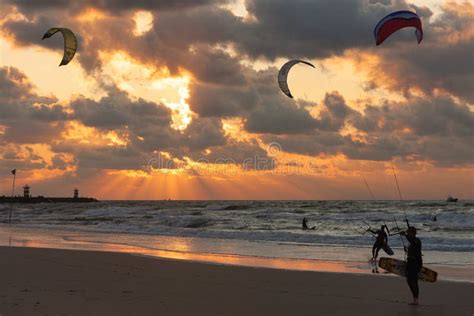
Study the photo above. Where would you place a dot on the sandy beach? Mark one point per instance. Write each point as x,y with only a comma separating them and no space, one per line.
39,281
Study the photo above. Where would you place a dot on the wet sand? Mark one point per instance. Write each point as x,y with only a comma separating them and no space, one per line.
37,281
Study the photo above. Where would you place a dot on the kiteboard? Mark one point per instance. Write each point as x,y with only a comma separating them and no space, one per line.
399,267
388,250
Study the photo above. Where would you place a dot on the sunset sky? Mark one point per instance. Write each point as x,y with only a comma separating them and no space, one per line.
179,99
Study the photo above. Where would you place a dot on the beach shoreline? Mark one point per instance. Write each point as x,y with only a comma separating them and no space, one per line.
38,281
219,251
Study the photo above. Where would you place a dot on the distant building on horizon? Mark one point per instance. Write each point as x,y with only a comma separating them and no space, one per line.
26,191
28,198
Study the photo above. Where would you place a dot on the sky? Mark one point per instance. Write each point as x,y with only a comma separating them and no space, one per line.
179,99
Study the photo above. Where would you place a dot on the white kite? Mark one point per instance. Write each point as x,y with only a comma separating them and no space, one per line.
283,75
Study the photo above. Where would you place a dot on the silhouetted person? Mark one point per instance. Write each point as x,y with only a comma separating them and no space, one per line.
381,239
414,262
434,218
305,224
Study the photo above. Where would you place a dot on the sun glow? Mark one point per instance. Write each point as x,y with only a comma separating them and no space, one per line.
234,128
143,22
182,114
90,15
80,134
150,83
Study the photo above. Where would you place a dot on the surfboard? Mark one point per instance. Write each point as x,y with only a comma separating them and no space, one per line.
399,267
388,250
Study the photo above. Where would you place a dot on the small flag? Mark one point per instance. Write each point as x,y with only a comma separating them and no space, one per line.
13,171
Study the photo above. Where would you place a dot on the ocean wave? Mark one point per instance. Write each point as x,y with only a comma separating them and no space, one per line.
337,222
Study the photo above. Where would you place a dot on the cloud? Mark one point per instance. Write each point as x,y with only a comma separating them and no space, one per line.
112,6
278,116
126,158
209,41
334,112
260,102
210,44
27,117
438,130
248,155
442,62
203,133
440,116
313,29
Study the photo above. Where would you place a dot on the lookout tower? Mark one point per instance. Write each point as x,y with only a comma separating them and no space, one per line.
26,191
76,193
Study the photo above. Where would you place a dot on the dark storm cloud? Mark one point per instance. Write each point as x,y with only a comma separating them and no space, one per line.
19,157
426,117
30,32
438,130
215,66
317,143
211,100
112,6
264,108
279,117
23,164
276,114
429,68
313,29
59,162
24,131
248,155
147,123
334,113
282,29
27,117
203,133
112,158
188,37
49,113
200,38
116,109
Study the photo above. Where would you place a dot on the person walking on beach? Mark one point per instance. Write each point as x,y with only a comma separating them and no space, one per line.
414,261
381,239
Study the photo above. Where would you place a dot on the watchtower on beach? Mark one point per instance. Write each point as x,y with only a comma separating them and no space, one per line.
76,193
26,191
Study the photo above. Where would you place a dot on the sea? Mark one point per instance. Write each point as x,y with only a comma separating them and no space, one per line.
248,229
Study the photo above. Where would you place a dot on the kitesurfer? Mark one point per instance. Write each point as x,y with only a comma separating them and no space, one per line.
414,261
305,224
381,239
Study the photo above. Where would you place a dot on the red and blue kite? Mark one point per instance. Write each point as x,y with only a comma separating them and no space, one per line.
396,21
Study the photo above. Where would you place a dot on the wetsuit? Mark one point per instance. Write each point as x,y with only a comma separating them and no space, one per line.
305,225
414,264
380,240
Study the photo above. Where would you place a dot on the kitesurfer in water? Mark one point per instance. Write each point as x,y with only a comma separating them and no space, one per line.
414,261
305,224
381,239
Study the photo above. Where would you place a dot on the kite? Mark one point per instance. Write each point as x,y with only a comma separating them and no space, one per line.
283,75
396,21
70,43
